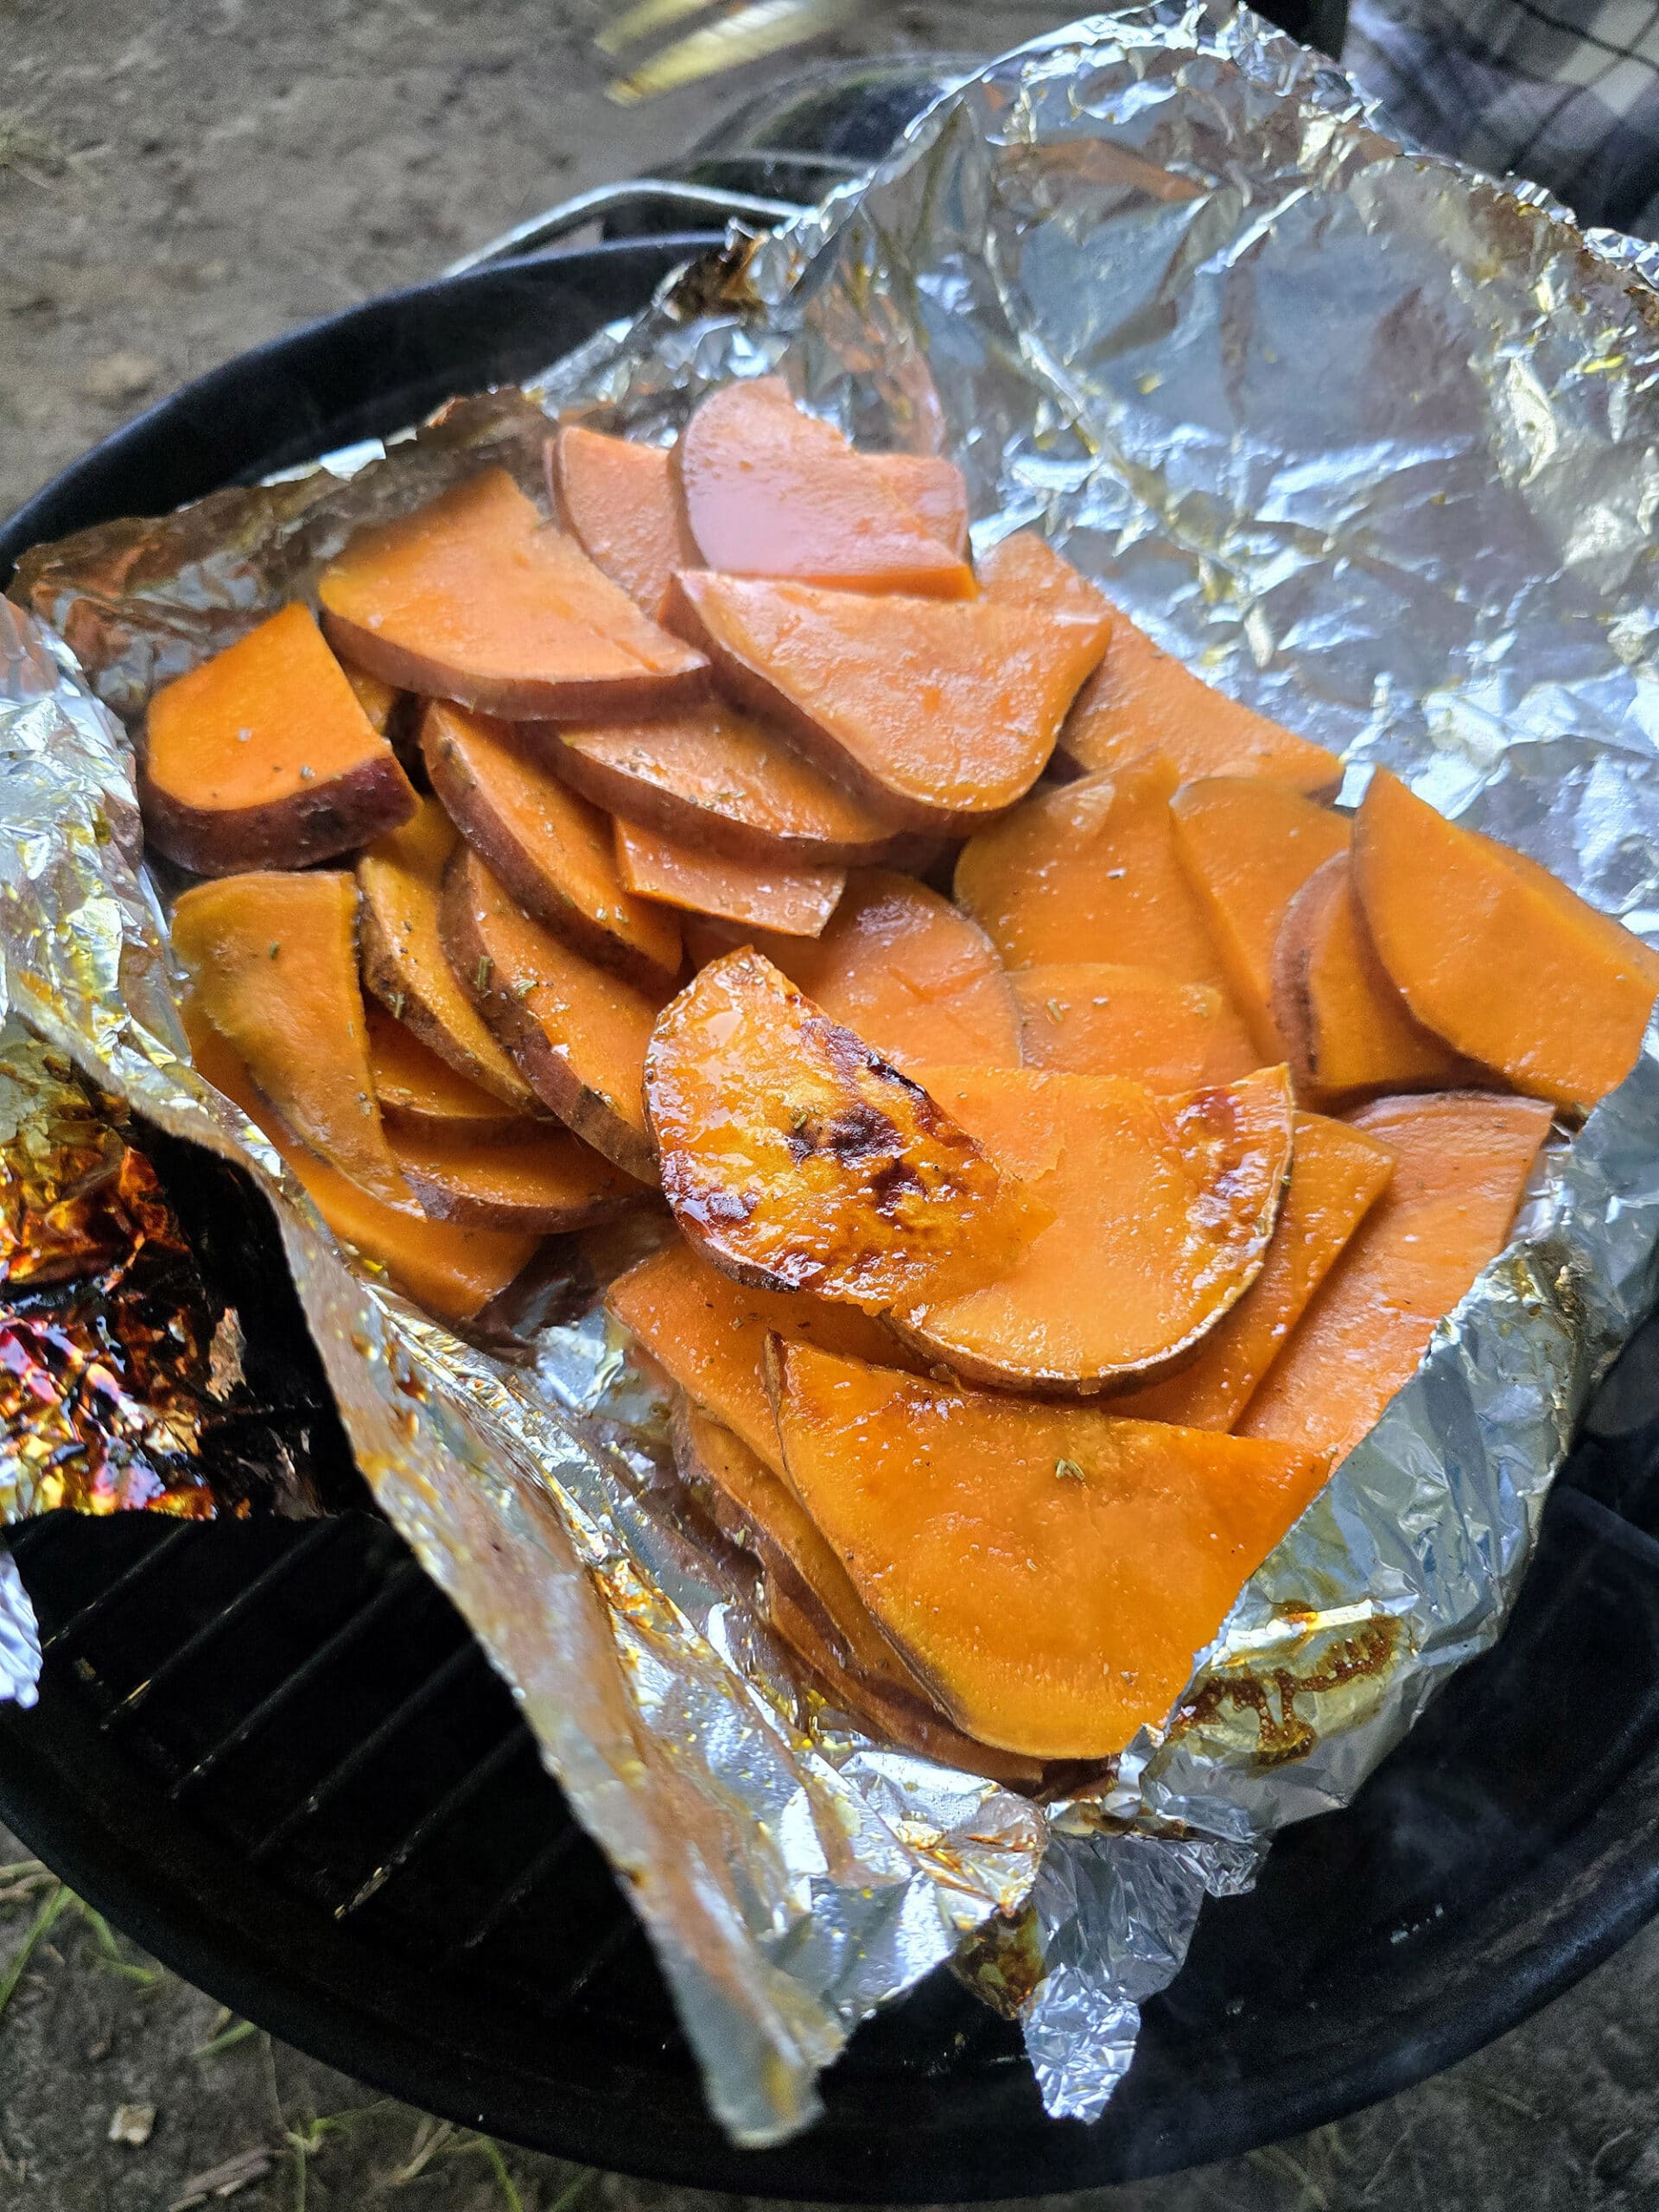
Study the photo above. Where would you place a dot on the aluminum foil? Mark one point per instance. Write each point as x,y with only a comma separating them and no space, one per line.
1373,443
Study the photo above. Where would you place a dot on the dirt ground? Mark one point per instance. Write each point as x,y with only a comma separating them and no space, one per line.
178,182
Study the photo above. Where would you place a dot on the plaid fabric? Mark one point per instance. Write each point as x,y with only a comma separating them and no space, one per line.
1564,92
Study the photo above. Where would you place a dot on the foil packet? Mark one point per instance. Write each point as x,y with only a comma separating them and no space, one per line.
1372,441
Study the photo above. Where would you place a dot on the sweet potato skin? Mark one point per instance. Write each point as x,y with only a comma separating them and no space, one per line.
546,1181
1096,1018
793,900
619,502
419,1091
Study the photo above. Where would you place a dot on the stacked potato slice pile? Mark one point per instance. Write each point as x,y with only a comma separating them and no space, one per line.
1072,1127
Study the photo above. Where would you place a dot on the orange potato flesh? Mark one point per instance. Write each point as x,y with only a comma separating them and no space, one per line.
577,1034
933,487
1024,570
264,757
1089,872
771,491
453,1272
795,1159
716,779
1495,956
708,1334
272,962
543,1180
404,959
417,1090
378,701
549,848
475,598
1346,1027
1461,1162
1142,700
1093,1018
620,503
1336,1176
1162,1209
937,713
1248,846
795,900
1050,1572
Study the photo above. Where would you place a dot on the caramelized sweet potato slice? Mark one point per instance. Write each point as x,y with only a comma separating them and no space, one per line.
1495,956
549,848
1092,1018
708,1334
1049,1572
1344,1025
1335,1177
1248,845
791,898
1461,1162
717,779
545,1180
1162,1209
937,714
475,598
795,1159
577,1034
1141,700
771,491
620,503
418,1091
404,959
1089,872
1024,570
272,962
263,757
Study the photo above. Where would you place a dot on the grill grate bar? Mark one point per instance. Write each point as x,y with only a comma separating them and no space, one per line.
459,1794
615,1940
535,1871
113,1593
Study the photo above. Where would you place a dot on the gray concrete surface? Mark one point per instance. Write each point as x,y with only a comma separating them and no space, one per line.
178,181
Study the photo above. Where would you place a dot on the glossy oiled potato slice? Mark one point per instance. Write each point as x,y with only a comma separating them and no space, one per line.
789,897
1095,1018
620,503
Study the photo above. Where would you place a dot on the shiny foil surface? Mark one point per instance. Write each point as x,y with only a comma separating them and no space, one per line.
1373,443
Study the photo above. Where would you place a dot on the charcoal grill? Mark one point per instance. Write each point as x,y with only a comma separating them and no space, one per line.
271,1751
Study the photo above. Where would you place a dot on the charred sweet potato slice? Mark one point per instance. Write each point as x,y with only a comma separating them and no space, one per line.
272,963
1089,872
475,598
543,1180
548,848
717,779
1049,1572
1495,956
418,1091
1142,700
263,757
795,1159
790,898
937,714
404,959
1162,1211
771,491
1335,1177
1092,1018
577,1034
1024,570
1461,1162
619,502
1344,1025
1248,845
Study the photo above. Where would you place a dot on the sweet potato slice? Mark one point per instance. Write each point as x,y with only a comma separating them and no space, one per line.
1162,1209
548,848
1495,956
1142,700
1049,1572
937,714
1248,845
272,962
263,757
453,1272
1335,1177
404,959
933,487
544,1180
1092,1018
1345,1026
577,1034
1461,1162
1089,872
771,491
794,899
378,701
717,779
475,598
418,1091
619,502
1024,570
795,1159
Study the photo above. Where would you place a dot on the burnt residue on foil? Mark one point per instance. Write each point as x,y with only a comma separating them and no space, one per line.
1371,442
